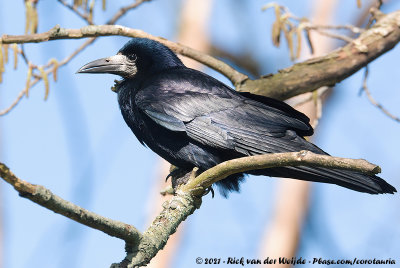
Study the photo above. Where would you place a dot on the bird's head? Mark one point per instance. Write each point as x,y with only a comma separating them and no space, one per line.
139,57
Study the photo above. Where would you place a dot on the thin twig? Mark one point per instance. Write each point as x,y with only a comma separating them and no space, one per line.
332,67
65,61
28,63
20,95
24,57
351,28
298,79
114,19
373,101
75,9
122,11
333,35
77,51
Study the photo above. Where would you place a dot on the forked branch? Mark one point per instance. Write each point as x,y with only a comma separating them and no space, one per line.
141,248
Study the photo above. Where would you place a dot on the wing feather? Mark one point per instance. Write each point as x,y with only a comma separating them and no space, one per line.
214,115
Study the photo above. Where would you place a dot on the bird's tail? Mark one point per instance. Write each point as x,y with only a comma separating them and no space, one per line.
349,179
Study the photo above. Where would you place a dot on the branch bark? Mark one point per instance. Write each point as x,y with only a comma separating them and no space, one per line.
333,67
141,248
300,78
57,33
44,197
302,158
188,196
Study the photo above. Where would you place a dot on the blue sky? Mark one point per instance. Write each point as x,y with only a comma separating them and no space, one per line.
77,144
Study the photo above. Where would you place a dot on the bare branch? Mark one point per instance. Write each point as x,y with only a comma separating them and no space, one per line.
351,28
108,30
334,35
300,78
373,101
293,26
333,67
75,9
20,95
303,158
116,17
42,196
188,196
77,51
122,11
141,248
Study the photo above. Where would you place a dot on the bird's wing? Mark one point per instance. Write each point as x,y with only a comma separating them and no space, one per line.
214,115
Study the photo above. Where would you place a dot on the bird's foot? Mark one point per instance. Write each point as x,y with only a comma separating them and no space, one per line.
208,190
181,176
175,172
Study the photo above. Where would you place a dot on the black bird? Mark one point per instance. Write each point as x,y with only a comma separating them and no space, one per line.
193,120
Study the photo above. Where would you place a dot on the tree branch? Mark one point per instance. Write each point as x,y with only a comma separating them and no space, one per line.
108,30
121,12
302,158
333,67
141,248
188,196
300,78
373,101
44,197
75,9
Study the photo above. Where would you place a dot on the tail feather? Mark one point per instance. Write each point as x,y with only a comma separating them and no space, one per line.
349,179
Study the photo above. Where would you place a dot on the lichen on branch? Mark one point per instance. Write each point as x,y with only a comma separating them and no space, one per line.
142,247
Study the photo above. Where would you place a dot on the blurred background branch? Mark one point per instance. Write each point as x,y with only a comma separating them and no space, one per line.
141,248
53,64
300,78
284,232
373,101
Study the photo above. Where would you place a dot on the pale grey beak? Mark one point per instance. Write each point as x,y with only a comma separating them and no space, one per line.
118,64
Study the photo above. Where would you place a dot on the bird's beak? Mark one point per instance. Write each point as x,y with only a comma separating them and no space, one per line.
118,64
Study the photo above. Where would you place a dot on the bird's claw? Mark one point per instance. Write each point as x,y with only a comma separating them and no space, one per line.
208,190
175,172
181,176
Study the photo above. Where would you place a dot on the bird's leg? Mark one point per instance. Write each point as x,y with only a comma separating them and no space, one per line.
175,172
180,175
186,175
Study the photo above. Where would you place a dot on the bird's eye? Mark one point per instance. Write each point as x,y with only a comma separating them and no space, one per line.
132,57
